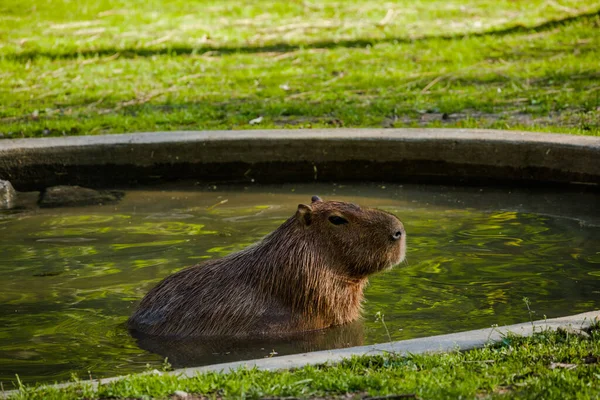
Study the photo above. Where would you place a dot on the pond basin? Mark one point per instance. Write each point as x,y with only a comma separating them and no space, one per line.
72,276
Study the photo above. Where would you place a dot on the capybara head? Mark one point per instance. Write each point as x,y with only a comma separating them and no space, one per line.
358,241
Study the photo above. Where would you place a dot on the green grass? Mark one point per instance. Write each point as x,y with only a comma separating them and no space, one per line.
88,67
549,365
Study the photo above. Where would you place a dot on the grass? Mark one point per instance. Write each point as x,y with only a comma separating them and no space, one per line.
109,66
548,365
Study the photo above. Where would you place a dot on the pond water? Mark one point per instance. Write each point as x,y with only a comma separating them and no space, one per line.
71,277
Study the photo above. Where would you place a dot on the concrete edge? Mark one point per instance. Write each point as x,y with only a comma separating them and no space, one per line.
290,134
460,341
274,134
274,156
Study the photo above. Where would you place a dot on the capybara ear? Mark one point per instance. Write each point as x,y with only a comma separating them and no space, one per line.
304,214
316,199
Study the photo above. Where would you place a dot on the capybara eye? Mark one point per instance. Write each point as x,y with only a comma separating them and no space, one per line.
336,220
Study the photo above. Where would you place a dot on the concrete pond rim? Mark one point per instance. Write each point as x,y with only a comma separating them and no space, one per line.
322,155
463,156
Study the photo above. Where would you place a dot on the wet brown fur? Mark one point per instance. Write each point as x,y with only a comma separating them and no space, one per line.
308,274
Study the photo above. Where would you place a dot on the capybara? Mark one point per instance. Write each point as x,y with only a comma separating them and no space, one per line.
308,274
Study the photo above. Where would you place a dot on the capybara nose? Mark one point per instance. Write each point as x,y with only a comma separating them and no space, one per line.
397,235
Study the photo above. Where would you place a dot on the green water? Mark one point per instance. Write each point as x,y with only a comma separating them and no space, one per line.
70,277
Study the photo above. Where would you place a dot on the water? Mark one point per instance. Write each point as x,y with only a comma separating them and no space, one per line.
71,277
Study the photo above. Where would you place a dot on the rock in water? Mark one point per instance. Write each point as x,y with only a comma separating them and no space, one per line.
69,196
8,195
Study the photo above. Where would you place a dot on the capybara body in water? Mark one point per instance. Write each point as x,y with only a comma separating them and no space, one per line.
308,274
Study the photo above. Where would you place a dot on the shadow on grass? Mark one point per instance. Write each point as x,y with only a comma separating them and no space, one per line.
387,112
550,81
132,52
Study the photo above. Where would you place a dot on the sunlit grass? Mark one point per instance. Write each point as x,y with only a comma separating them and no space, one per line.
88,67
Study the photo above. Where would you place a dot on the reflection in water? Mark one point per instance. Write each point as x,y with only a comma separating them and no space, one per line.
201,351
71,277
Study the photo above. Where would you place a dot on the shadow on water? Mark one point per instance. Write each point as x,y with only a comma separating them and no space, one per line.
132,52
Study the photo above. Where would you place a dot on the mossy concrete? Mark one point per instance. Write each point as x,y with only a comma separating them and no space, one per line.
273,156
